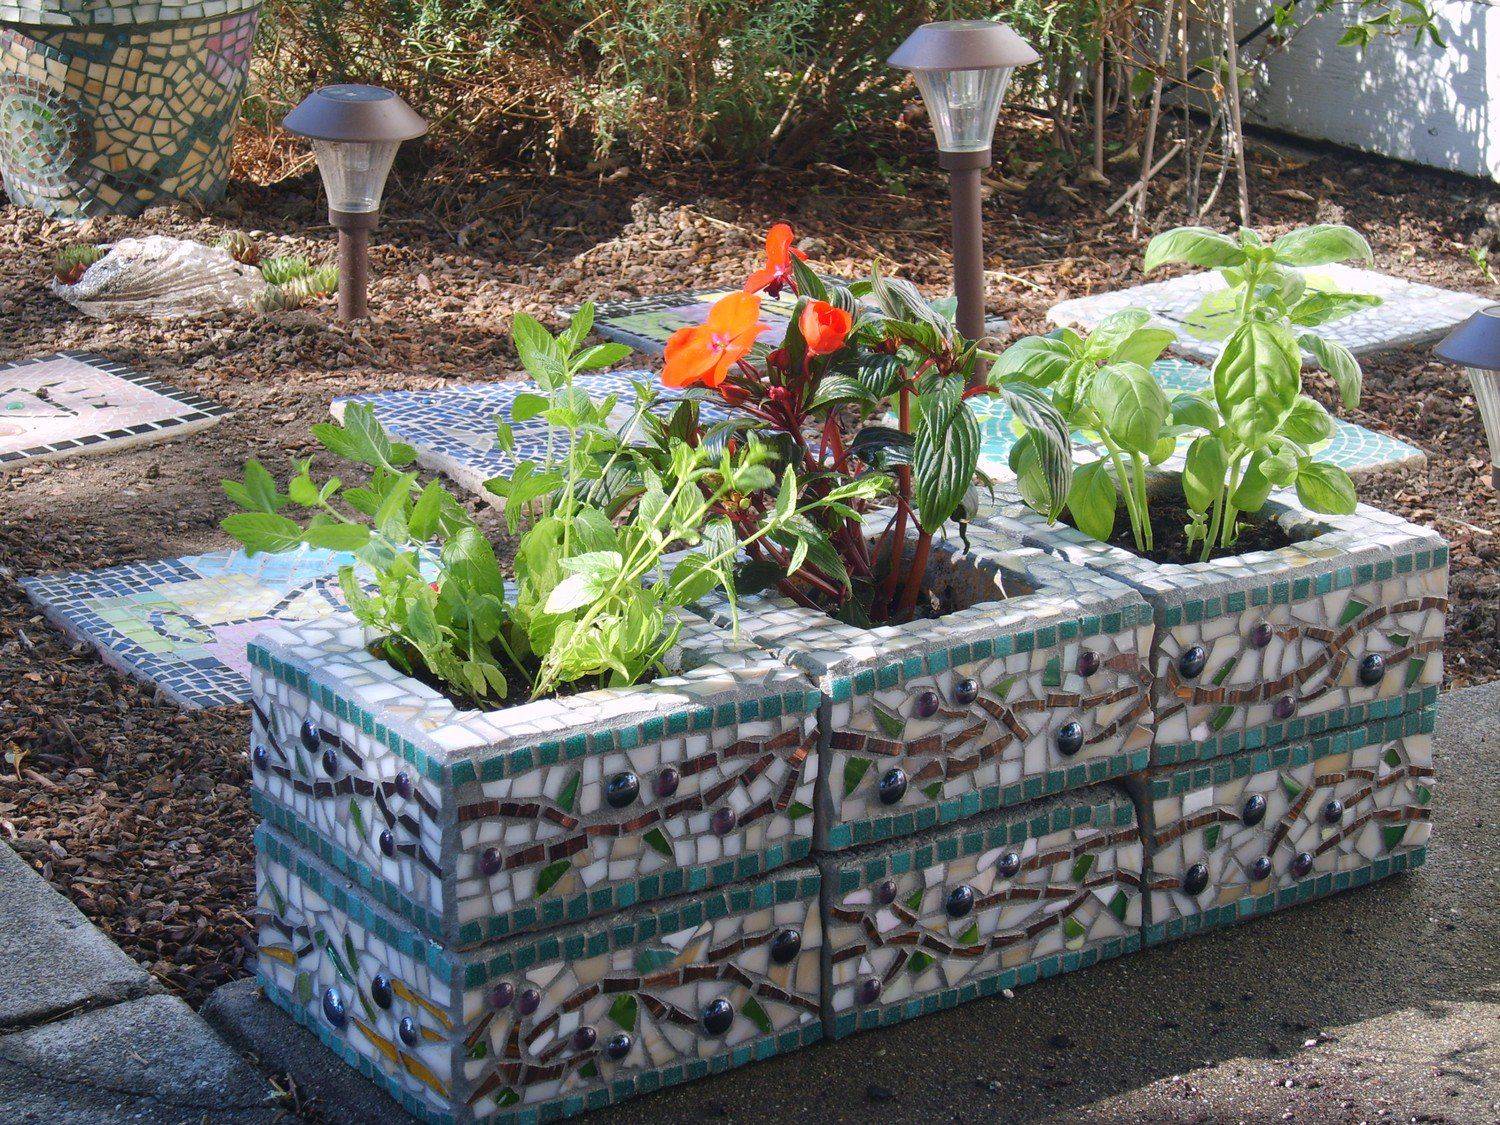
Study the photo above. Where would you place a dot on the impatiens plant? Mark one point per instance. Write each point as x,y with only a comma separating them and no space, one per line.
868,385
1255,428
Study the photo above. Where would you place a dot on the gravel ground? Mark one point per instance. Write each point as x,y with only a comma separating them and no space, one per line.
140,812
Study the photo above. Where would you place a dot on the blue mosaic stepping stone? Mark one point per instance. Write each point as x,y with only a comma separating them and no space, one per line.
183,624
1353,448
73,402
1410,313
453,429
647,323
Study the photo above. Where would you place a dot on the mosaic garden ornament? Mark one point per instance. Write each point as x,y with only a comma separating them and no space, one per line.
1342,625
538,1028
477,824
1239,836
1035,681
112,106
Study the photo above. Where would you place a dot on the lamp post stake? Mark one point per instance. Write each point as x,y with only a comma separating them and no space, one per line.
354,229
964,170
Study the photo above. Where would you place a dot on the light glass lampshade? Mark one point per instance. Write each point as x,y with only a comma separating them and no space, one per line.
354,172
1486,384
963,105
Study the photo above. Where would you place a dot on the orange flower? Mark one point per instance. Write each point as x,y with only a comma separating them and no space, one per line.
824,327
777,274
706,353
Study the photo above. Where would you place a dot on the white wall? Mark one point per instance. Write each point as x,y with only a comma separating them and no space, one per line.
1425,104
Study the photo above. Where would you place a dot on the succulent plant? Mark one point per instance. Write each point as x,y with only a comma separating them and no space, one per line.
241,247
300,290
279,271
71,261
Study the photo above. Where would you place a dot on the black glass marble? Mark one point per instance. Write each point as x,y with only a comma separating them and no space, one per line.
310,735
927,705
1191,662
1302,864
1195,879
1088,662
333,1008
960,901
785,946
1254,810
618,1046
967,691
1372,669
1069,739
718,1017
381,991
892,786
407,1029
667,781
622,790
1009,864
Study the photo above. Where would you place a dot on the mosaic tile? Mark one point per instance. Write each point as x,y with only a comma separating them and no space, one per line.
111,108
183,624
995,903
1353,448
478,824
997,703
1342,626
72,403
453,430
1411,313
1268,829
538,1028
647,323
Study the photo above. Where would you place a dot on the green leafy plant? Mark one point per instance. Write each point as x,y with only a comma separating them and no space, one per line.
1102,386
70,263
289,267
1261,431
590,602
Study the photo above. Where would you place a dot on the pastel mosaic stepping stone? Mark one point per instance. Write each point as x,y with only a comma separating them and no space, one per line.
453,429
1235,838
1358,451
537,1028
997,902
183,624
73,402
647,323
1342,626
999,702
1411,313
475,825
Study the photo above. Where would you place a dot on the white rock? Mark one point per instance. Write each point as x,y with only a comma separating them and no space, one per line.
164,277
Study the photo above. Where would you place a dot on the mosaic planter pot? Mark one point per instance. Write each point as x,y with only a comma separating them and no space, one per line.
920,925
999,702
1239,836
1340,628
544,1026
108,106
476,825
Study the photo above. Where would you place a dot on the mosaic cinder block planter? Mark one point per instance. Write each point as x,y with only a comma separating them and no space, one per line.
1240,836
918,925
1340,628
475,825
999,702
109,106
541,1026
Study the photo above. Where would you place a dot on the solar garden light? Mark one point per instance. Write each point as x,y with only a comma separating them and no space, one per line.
962,68
1475,346
355,132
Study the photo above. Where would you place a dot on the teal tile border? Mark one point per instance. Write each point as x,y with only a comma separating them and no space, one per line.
1273,734
643,1083
1315,887
868,1018
527,917
1218,770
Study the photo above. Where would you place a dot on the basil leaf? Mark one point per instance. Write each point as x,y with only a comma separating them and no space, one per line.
1197,246
1257,378
1320,244
1131,405
1325,488
1092,500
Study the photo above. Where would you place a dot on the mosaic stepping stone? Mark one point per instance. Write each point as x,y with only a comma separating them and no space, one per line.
994,903
647,323
453,430
73,402
538,1028
1257,832
183,624
1411,313
1342,626
1358,451
1041,688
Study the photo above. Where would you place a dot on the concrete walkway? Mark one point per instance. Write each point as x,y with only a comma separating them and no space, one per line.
1378,1003
87,1036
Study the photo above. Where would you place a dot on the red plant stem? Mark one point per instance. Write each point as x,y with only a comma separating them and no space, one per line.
914,578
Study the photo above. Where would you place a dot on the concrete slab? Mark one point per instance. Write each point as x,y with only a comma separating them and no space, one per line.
52,959
262,1033
148,1060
